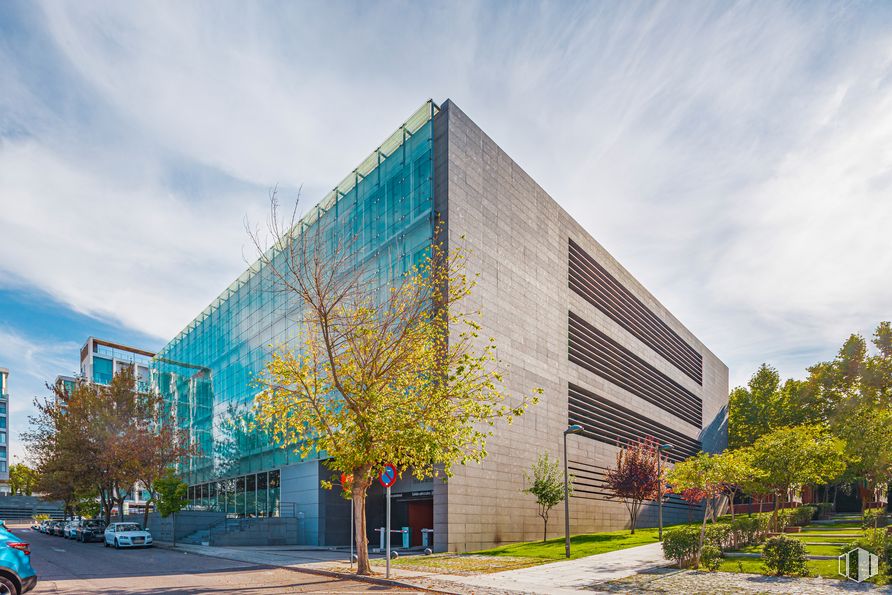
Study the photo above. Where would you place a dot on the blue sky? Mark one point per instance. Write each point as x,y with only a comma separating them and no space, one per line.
736,158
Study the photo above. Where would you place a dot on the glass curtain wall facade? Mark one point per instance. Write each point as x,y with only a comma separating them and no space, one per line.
384,209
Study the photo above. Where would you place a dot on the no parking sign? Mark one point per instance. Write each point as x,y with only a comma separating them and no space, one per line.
388,476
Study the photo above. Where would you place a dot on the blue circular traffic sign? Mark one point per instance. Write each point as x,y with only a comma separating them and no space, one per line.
388,476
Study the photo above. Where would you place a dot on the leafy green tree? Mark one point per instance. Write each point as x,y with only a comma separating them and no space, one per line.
171,495
87,504
386,374
766,404
737,473
704,475
853,392
792,457
546,483
22,479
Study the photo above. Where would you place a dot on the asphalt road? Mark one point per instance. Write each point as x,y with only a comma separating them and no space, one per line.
69,567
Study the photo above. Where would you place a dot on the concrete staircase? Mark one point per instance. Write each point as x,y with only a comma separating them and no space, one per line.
200,537
20,508
246,531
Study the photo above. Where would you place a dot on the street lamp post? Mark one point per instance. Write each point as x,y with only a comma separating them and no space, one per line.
574,429
660,450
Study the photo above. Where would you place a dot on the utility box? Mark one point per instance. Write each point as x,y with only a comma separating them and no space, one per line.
427,537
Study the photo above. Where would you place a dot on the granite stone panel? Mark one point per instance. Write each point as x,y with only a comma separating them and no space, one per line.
518,238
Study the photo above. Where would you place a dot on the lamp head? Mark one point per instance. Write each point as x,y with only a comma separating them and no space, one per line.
574,429
665,447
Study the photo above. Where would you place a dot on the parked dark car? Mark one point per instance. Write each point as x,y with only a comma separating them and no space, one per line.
57,528
90,530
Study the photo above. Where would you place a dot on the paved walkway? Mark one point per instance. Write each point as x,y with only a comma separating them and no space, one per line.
559,578
569,576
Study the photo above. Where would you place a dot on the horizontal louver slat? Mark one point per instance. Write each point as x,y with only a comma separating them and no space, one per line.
608,422
596,352
598,287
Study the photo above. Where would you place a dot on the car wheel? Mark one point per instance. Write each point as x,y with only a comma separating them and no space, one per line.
117,546
7,587
105,542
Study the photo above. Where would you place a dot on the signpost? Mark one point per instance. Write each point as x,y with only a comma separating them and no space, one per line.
387,479
346,484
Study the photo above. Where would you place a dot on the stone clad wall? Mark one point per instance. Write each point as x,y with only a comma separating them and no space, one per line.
518,237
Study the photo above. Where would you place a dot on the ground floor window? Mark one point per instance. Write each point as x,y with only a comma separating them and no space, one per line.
253,495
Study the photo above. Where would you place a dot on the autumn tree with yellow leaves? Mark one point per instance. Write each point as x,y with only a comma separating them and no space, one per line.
391,368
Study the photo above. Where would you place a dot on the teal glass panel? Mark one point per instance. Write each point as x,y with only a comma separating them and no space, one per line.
262,505
102,370
206,373
251,495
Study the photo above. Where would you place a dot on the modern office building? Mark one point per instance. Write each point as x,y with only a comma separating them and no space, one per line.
566,316
4,432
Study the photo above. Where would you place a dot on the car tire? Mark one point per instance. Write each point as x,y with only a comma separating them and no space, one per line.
105,543
7,586
117,545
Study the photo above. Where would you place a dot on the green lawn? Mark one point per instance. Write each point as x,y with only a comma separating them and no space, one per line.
580,545
825,568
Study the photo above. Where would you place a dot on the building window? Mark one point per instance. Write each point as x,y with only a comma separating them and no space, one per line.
2,466
102,370
2,452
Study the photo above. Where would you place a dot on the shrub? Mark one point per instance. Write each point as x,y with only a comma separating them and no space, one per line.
681,544
825,509
878,542
874,517
710,557
718,536
748,530
803,515
783,556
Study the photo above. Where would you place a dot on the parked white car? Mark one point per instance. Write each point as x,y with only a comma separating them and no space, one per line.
127,535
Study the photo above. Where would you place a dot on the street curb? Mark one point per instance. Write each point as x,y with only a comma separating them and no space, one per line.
317,571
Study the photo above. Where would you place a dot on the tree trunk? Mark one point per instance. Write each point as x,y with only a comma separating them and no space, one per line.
145,515
731,505
706,507
359,490
545,531
174,532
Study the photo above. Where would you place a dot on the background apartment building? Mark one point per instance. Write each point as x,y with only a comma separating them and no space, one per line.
4,432
566,316
100,360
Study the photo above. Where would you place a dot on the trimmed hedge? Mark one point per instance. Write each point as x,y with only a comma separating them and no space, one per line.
873,516
784,556
749,530
681,544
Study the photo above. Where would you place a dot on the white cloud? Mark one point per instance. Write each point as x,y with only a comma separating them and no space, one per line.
119,249
735,157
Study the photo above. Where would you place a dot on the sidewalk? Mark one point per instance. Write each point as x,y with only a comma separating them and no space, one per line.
559,578
569,576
